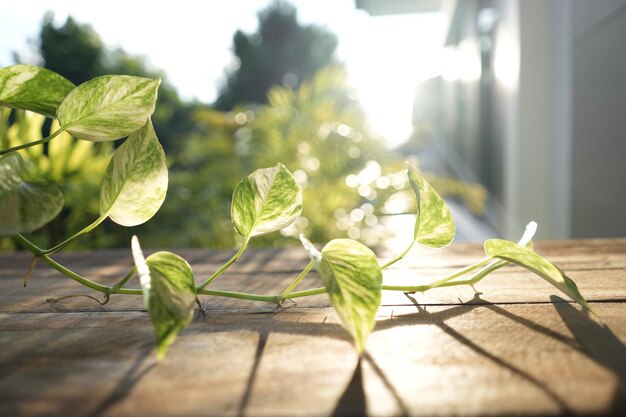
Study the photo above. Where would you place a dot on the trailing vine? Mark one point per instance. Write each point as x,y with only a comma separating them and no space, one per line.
134,186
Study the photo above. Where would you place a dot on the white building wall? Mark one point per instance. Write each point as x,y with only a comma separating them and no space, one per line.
599,118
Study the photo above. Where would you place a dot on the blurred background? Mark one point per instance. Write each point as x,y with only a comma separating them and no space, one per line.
513,109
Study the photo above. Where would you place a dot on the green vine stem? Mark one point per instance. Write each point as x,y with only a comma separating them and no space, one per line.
62,269
123,281
440,282
34,143
33,261
223,268
276,298
69,240
399,257
38,253
298,279
266,201
266,298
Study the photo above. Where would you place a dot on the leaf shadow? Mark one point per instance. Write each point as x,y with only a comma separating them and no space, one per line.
440,321
258,355
600,344
133,375
353,400
402,407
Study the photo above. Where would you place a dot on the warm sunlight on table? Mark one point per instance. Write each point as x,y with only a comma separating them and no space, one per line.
517,348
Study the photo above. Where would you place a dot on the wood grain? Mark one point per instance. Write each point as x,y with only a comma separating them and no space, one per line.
519,348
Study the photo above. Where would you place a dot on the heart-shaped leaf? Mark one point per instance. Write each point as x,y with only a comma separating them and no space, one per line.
434,226
33,88
135,182
530,260
25,205
353,280
169,291
108,107
266,201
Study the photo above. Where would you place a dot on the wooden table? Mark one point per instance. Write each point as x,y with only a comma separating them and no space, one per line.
519,348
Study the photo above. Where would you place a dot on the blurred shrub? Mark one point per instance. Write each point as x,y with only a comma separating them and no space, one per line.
76,166
317,130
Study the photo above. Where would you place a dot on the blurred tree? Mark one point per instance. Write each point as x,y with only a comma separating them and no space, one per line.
72,50
317,131
308,120
281,52
76,51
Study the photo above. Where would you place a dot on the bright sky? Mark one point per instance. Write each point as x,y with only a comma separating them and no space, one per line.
386,56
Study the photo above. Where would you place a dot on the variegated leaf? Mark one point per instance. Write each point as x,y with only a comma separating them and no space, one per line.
25,205
353,280
266,201
135,182
108,107
527,258
169,291
33,88
434,226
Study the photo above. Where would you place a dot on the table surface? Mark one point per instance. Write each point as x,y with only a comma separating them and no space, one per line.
520,347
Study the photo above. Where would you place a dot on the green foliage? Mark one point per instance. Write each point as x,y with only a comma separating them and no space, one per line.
135,181
321,134
101,109
32,88
25,205
169,293
530,260
281,52
196,204
317,131
221,148
353,280
76,166
433,226
76,52
267,200
108,107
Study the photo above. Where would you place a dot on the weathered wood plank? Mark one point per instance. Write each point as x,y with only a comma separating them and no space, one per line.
508,285
469,359
518,349
572,254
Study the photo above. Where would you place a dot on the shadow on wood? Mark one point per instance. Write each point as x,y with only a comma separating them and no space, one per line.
601,345
403,409
129,380
440,322
352,402
255,368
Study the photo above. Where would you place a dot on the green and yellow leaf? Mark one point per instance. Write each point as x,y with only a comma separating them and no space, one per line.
33,88
135,182
527,258
108,107
434,226
353,280
169,291
25,206
266,201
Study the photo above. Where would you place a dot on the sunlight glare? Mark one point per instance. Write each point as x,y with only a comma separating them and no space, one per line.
386,57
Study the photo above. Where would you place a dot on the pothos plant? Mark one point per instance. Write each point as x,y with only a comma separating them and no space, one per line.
113,107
